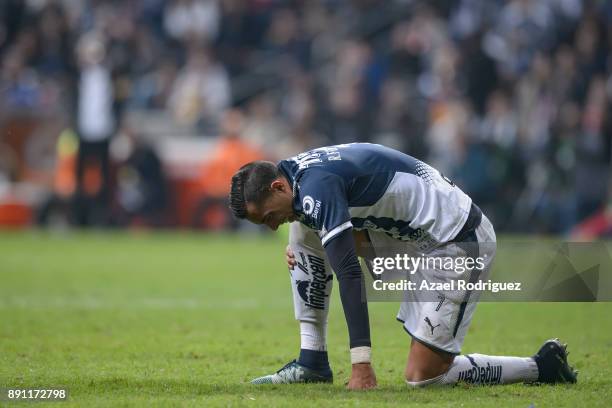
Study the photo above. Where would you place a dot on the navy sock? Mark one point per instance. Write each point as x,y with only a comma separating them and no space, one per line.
313,359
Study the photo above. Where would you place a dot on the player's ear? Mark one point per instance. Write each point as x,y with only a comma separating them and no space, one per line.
277,185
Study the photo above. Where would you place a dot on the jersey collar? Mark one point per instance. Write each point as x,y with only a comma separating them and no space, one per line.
287,168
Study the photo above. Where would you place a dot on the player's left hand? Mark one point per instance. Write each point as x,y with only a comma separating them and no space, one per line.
362,377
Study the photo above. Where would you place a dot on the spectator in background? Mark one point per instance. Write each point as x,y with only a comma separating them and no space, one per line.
192,20
142,194
236,35
344,118
262,125
53,55
96,122
397,124
8,165
283,40
593,148
522,27
200,92
56,210
231,152
499,125
152,90
21,87
535,110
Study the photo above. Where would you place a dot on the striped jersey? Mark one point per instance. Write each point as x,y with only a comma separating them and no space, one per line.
372,187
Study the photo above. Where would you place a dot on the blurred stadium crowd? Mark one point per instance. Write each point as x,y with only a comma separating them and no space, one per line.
137,112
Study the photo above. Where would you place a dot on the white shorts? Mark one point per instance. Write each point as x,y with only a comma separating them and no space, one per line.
440,319
437,319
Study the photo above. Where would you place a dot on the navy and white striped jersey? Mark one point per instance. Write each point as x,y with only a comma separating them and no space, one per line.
372,187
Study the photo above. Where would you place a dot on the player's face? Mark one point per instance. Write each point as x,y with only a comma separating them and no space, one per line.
277,209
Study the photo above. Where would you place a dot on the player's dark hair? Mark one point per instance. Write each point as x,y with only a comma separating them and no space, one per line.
251,184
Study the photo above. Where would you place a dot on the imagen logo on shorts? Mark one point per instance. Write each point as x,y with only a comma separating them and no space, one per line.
313,292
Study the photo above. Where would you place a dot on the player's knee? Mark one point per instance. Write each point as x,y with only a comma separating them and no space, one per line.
425,364
415,376
425,383
420,379
422,376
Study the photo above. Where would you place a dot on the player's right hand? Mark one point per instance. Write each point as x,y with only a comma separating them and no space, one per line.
362,377
290,257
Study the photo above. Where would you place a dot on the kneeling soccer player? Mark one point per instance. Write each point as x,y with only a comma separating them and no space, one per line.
369,193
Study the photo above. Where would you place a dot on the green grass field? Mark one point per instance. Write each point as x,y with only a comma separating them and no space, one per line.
171,319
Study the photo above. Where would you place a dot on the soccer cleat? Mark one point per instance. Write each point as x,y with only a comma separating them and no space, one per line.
293,373
552,364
